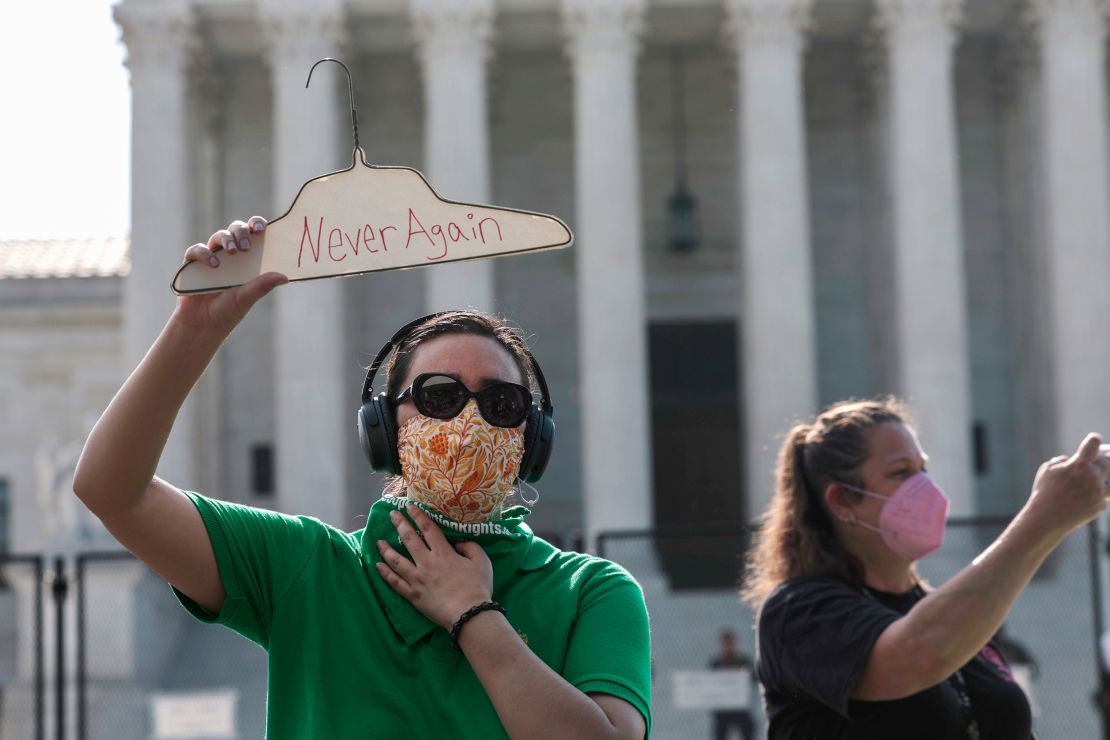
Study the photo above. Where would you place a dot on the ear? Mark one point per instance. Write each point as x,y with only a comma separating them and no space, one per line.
836,501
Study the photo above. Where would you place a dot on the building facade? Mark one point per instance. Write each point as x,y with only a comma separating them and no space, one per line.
901,197
889,196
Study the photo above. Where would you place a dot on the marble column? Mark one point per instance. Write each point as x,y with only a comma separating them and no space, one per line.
453,46
314,404
777,321
159,35
602,40
1076,239
929,282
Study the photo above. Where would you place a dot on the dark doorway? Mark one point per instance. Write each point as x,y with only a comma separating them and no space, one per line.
698,503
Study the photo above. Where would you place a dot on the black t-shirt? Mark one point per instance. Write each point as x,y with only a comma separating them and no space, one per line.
814,638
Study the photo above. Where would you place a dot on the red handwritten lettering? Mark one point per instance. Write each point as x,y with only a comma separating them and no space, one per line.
335,239
367,237
455,232
354,243
482,225
306,234
437,230
413,232
440,237
381,233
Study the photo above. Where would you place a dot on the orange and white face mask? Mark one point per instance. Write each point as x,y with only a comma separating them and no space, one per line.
463,467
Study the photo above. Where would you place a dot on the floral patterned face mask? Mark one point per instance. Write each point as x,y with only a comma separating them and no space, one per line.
463,467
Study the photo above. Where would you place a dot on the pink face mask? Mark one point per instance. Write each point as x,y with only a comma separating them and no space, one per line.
913,517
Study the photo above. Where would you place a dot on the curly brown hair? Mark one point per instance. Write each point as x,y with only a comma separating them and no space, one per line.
797,537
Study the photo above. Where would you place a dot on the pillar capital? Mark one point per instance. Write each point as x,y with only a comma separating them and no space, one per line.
158,33
908,21
449,28
1082,17
767,22
301,31
602,25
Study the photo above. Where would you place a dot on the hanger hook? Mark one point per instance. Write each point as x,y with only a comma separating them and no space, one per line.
350,92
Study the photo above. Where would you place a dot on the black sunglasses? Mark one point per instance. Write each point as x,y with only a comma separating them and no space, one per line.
443,396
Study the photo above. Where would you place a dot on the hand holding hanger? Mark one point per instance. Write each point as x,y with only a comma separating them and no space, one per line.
216,314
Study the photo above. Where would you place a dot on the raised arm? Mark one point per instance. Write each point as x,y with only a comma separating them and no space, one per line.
951,625
115,475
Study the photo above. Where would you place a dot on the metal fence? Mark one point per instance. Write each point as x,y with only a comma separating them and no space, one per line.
689,577
114,648
1052,619
146,669
22,659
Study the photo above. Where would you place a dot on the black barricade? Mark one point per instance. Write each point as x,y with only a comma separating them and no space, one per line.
22,662
690,577
692,599
146,669
141,660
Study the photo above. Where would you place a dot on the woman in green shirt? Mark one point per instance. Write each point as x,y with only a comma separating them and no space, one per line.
445,616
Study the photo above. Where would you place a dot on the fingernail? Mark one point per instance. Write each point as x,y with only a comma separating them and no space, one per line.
393,515
381,543
213,261
256,227
244,244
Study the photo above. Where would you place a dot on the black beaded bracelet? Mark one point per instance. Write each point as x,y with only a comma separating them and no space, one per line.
469,614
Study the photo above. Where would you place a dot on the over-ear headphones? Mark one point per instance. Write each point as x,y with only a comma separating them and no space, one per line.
377,417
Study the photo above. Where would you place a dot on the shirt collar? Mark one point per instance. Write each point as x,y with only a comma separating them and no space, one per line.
508,542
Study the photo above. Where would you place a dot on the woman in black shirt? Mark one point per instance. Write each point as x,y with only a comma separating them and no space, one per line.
850,643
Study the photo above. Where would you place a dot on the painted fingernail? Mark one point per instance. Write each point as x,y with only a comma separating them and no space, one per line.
213,261
244,244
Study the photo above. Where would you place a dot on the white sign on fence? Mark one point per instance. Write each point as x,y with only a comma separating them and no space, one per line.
723,689
192,715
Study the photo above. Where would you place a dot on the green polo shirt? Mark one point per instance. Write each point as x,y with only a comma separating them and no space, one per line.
350,658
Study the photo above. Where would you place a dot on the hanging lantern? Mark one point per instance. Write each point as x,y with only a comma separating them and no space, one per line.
682,207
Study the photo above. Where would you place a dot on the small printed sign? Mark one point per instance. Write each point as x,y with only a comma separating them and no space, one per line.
368,219
193,715
720,690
